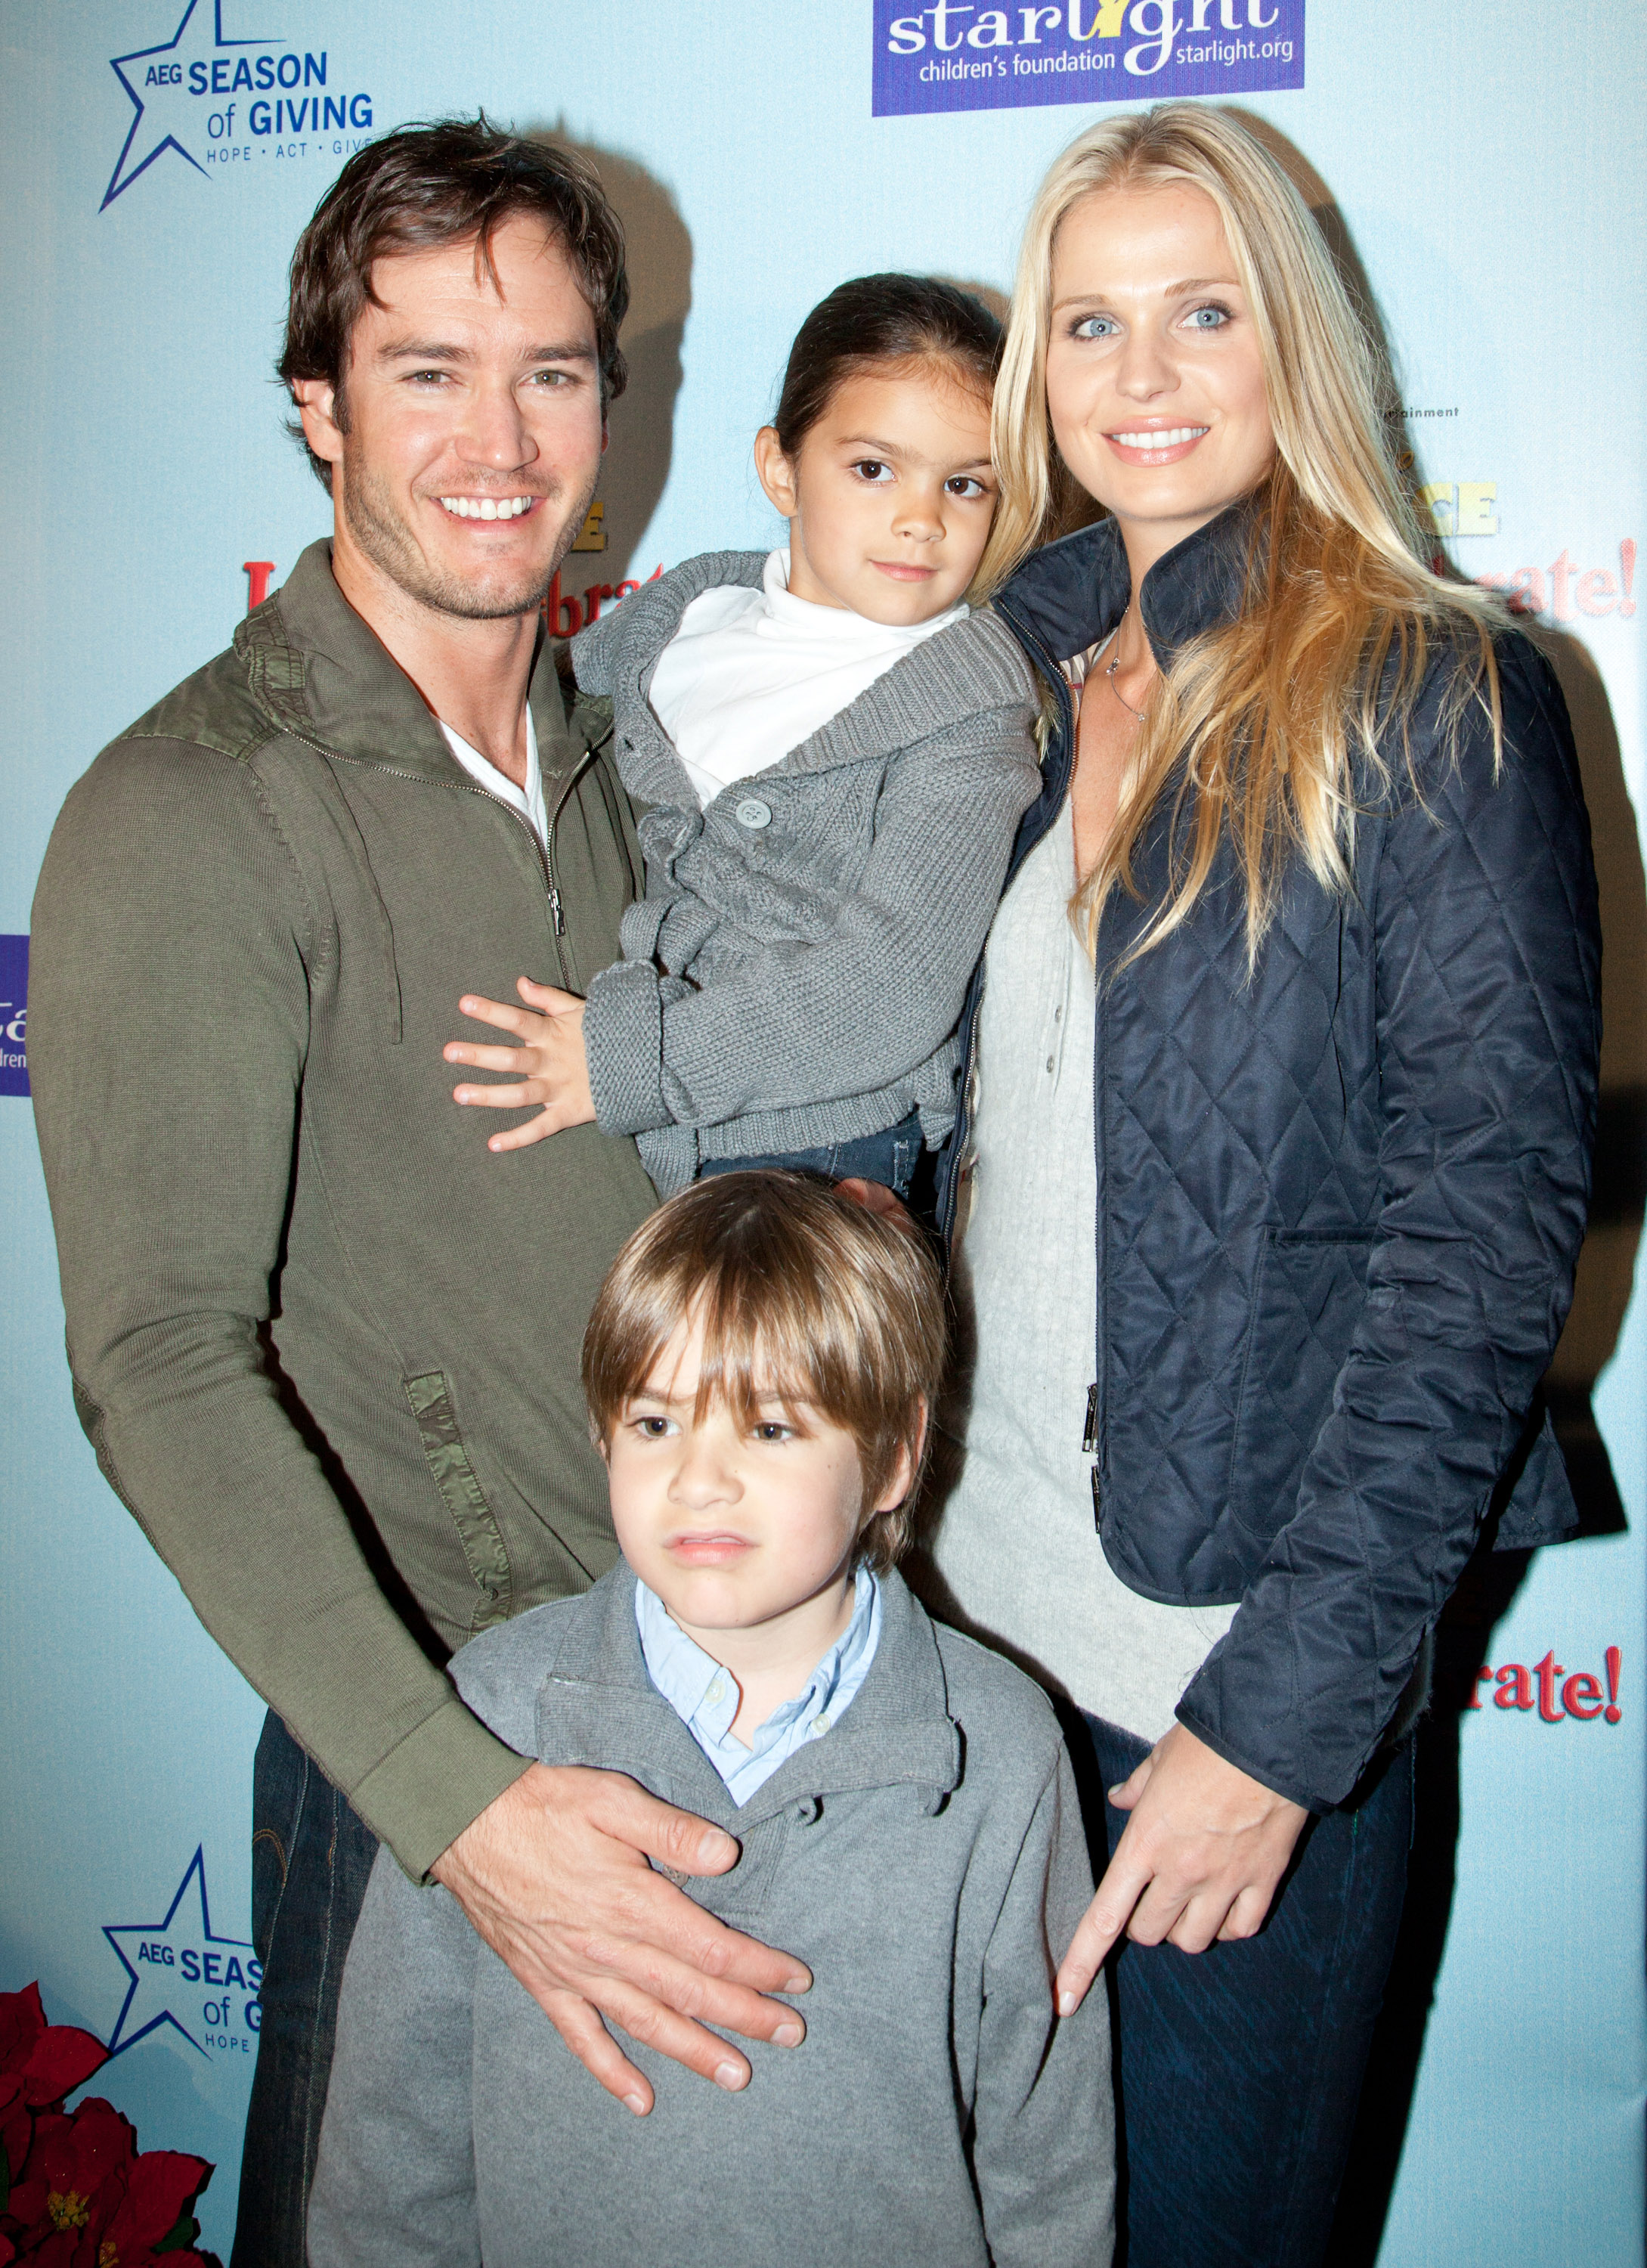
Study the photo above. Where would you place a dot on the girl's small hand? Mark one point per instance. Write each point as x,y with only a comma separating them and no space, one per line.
549,1068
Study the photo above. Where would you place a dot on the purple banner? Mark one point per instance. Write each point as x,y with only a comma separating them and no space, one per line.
14,1004
952,57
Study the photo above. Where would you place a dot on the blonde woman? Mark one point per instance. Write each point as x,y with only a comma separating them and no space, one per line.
1293,993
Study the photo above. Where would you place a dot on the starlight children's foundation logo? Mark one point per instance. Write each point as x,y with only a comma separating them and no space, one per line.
185,1978
959,57
211,96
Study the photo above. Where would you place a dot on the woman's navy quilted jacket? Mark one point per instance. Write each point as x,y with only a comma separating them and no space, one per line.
1339,1201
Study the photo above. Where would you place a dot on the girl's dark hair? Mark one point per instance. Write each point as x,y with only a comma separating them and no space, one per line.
452,182
883,318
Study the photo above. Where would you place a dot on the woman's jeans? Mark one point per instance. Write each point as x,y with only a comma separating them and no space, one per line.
1237,2070
889,1157
309,1860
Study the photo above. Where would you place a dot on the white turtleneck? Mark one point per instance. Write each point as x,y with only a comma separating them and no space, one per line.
749,675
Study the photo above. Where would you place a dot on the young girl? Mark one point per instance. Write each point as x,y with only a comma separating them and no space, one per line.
836,752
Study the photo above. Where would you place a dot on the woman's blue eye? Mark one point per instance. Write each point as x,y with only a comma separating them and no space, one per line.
1089,328
1208,319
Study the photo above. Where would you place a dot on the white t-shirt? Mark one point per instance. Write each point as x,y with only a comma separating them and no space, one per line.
749,675
527,800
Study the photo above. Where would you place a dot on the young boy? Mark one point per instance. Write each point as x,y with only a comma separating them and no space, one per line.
758,1367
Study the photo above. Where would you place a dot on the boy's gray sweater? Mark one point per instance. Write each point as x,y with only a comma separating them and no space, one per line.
925,1858
796,971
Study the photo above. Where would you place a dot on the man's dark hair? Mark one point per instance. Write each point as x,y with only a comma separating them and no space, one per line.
880,320
448,182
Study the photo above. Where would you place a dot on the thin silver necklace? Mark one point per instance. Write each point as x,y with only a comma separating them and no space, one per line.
1109,670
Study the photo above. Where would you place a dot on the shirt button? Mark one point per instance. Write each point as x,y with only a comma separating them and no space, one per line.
753,812
1057,1015
715,1691
820,1724
1052,1063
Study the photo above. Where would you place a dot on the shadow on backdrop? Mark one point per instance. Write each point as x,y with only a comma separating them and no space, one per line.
1464,1640
635,468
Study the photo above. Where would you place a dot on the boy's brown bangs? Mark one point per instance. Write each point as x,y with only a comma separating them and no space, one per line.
804,1297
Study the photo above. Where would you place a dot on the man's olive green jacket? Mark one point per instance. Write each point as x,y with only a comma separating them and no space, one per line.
325,1343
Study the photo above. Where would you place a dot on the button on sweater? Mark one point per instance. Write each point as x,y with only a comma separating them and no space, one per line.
794,974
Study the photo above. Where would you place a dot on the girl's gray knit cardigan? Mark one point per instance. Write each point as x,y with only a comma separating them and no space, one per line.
795,973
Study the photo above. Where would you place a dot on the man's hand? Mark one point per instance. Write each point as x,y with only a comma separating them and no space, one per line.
554,1876
1200,1858
549,1068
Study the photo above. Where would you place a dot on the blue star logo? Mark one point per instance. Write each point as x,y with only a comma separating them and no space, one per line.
177,1973
170,114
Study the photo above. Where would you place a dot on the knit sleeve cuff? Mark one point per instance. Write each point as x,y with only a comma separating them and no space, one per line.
623,1042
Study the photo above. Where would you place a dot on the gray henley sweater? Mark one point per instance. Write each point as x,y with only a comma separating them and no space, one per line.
925,1858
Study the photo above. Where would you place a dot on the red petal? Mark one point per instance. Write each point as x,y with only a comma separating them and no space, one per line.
16,2132
22,2021
63,2059
158,2186
80,2152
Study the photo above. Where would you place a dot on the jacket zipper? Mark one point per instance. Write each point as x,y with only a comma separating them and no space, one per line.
545,851
962,1133
1095,1431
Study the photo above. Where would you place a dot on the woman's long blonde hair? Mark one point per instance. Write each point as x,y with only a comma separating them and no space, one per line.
1277,723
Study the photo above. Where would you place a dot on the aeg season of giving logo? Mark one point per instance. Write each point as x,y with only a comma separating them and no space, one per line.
211,95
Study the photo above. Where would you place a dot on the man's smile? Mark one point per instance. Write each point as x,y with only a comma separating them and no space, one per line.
485,507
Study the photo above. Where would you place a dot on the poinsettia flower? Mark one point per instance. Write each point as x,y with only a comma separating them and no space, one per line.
73,2161
91,2200
159,2185
50,2060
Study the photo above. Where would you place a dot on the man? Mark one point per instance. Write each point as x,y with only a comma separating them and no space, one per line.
326,1346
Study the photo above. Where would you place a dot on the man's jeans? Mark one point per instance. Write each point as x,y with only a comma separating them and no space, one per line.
1237,2070
309,1860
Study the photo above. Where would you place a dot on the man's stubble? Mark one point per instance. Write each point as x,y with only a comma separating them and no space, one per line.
383,537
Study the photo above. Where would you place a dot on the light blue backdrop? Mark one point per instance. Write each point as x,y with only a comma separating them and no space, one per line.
1487,165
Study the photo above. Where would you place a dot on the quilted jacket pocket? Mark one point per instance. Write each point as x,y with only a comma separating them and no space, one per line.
476,1523
1307,1301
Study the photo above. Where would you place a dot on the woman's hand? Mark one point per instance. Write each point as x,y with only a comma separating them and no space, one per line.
1201,1858
550,1066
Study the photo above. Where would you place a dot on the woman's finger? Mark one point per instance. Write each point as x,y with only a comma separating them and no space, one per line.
1097,1931
1131,1788
1246,1916
1199,1921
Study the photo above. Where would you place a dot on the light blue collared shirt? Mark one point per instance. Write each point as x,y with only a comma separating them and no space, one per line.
705,1696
